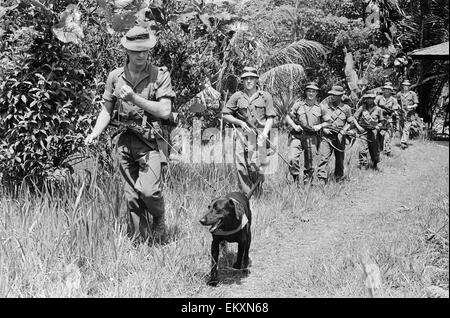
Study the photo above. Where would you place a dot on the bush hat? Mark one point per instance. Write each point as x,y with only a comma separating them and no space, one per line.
250,72
311,85
388,85
138,39
406,83
369,94
336,90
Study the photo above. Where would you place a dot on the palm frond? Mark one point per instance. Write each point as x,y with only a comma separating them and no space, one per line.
302,52
281,73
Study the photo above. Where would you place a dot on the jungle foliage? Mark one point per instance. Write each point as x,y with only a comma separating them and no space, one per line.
55,56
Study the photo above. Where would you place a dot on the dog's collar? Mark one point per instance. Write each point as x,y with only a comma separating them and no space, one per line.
240,227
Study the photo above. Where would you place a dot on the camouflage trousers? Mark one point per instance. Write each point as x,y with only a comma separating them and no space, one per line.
307,143
140,166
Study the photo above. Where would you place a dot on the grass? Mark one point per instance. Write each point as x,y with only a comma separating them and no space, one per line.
70,240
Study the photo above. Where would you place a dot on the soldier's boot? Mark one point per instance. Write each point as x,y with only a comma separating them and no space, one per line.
375,166
159,229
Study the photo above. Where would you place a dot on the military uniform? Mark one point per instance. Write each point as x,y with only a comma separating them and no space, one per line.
407,99
255,110
138,150
308,141
340,115
386,135
369,119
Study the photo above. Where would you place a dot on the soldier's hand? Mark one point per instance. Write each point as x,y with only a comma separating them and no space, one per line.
262,137
126,93
245,127
90,139
350,133
298,128
317,127
326,131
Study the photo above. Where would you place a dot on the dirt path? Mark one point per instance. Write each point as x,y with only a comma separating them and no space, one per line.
352,214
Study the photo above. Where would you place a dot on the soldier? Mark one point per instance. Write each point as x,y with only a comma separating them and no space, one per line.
333,139
142,95
390,108
252,110
368,120
409,102
307,118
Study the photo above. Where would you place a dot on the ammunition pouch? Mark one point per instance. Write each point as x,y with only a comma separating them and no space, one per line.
368,119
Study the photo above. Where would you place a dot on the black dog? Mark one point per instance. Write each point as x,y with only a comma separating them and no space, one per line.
230,219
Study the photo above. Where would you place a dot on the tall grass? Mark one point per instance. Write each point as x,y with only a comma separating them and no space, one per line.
70,240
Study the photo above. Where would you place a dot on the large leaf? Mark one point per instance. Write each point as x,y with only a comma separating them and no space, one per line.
184,18
350,73
303,52
293,72
124,21
120,4
3,10
205,19
69,28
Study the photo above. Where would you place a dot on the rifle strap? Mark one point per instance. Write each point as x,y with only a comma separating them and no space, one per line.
331,144
151,92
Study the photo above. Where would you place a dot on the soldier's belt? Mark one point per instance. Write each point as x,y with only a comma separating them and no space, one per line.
149,132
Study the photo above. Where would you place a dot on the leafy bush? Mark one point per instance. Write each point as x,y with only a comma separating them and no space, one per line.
47,93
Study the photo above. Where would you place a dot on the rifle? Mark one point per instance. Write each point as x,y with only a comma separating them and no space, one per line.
387,110
347,133
370,127
256,132
308,128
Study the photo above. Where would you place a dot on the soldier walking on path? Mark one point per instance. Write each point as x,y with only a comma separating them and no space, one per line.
252,110
390,108
333,138
409,102
142,95
368,121
307,118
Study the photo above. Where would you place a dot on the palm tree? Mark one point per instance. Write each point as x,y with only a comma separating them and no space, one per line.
282,68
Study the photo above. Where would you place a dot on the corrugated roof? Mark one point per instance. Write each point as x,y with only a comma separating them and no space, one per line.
438,51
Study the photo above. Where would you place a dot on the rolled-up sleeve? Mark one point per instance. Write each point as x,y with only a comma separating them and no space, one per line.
348,114
358,113
395,105
380,114
325,112
293,112
108,94
415,98
164,85
230,107
270,109
377,100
